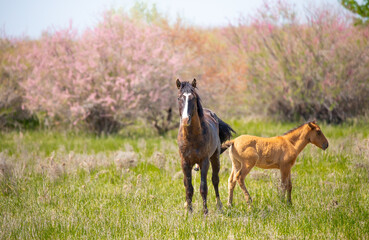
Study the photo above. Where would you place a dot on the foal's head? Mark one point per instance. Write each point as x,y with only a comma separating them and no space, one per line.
188,102
316,136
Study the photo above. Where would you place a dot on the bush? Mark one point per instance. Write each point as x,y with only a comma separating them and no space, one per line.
124,68
311,68
12,112
107,77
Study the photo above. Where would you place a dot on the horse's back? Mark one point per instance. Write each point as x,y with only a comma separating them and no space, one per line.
212,126
211,117
222,128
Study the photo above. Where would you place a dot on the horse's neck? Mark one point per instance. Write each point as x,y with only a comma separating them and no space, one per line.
298,139
194,129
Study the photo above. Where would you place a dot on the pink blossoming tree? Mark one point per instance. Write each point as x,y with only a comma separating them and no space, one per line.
107,77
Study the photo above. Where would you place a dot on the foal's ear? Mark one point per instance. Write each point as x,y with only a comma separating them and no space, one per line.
312,124
178,84
194,83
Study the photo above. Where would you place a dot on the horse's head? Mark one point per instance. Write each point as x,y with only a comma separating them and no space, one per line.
188,101
316,136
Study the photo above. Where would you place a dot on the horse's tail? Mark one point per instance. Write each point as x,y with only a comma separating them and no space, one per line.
226,145
225,131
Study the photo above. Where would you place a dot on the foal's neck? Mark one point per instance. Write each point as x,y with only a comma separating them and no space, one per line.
298,138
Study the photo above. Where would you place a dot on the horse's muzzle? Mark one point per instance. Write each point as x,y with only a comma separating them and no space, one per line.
187,121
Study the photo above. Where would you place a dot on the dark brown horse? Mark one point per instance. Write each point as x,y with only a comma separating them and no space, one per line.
200,136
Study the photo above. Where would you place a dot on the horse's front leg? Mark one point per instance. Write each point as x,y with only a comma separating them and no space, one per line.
204,166
187,180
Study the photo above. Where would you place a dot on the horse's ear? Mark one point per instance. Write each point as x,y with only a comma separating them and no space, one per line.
312,124
194,83
178,84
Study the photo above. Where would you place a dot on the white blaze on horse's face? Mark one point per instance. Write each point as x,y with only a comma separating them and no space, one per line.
185,110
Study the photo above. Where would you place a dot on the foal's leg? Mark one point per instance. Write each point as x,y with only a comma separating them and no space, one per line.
232,178
231,186
215,165
286,183
187,180
204,166
248,161
241,181
289,189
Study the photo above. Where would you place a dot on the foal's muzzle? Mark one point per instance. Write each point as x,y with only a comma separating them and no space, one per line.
325,146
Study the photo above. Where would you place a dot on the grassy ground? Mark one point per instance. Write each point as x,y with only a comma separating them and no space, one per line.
70,186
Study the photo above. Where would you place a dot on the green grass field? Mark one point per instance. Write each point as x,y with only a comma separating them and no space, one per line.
57,185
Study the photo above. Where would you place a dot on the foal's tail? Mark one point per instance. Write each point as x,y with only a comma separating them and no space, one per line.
225,131
226,145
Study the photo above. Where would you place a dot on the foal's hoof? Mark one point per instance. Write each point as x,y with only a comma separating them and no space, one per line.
197,168
229,204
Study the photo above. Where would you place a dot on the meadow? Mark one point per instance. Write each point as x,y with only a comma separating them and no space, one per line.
88,125
70,185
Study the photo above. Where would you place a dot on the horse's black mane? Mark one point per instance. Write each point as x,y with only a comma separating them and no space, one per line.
289,131
187,87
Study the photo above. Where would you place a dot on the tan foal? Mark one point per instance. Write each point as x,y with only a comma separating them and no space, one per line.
270,153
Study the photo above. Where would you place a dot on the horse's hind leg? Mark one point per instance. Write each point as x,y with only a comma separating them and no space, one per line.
187,180
215,165
204,166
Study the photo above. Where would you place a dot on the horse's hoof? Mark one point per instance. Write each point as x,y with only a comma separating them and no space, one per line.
229,204
219,205
189,210
188,207
197,168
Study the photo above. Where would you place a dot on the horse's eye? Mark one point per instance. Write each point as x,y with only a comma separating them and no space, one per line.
319,132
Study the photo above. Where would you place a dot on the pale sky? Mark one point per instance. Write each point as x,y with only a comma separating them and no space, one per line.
31,17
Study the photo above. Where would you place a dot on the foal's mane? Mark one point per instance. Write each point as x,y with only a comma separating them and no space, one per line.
292,130
187,87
